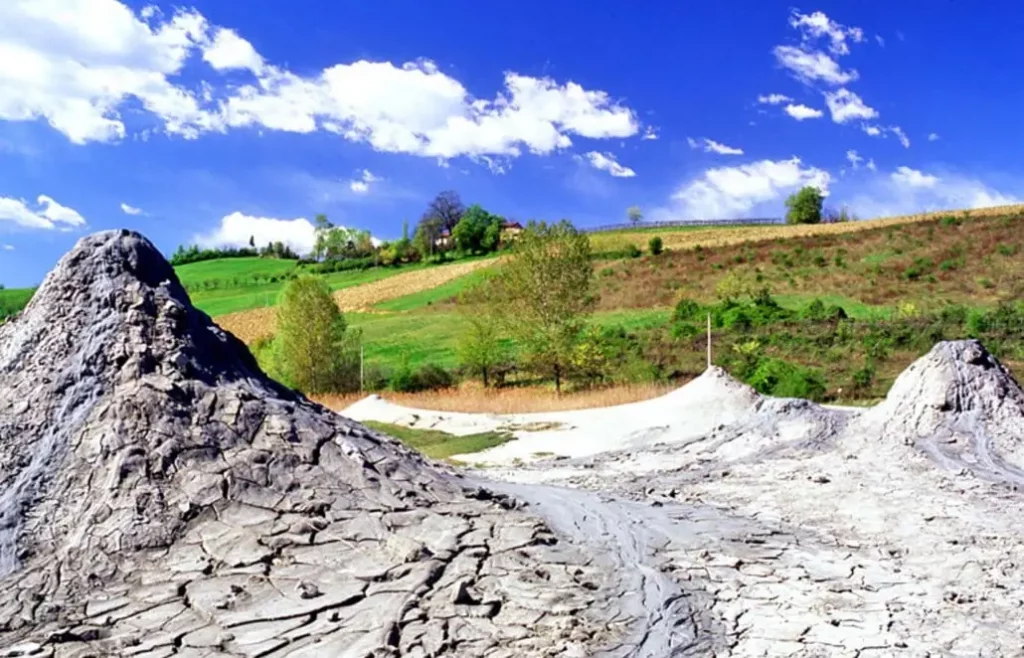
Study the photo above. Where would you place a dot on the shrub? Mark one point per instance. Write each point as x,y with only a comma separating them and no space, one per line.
949,220
655,246
1007,249
633,251
427,377
986,282
686,310
781,378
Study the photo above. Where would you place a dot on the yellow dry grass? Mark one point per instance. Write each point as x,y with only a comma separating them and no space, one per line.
721,237
251,325
473,398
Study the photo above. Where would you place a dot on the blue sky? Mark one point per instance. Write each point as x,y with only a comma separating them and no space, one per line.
212,121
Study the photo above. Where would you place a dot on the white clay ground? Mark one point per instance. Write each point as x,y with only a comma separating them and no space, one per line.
792,529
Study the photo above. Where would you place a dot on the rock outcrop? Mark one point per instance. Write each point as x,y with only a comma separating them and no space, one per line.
159,495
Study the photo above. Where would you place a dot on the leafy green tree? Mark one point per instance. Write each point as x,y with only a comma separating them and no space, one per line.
477,231
428,232
804,206
656,246
316,354
546,296
635,215
482,346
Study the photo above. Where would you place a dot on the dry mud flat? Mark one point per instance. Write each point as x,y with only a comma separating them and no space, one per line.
768,527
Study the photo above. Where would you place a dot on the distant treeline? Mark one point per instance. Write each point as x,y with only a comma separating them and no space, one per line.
193,254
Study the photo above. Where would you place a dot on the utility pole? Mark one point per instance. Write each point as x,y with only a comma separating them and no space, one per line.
709,340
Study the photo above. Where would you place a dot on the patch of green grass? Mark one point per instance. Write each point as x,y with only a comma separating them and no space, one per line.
855,309
229,300
12,300
441,445
433,296
879,257
232,268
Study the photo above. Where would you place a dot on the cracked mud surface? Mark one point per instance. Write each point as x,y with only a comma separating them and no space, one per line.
894,531
159,496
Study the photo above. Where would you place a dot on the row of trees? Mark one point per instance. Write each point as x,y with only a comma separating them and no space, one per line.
534,310
193,254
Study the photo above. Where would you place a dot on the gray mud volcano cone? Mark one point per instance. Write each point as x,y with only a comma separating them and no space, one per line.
159,495
961,406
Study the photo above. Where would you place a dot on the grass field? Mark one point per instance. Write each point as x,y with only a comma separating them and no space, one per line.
441,445
13,300
228,269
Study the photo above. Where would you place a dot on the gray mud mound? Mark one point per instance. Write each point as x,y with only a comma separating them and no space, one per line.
961,406
159,495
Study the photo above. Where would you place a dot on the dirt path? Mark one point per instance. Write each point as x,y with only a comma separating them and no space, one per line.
254,324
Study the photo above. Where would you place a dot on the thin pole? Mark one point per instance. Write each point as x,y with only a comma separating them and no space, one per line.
360,368
709,340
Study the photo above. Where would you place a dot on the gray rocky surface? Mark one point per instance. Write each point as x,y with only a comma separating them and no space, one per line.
160,496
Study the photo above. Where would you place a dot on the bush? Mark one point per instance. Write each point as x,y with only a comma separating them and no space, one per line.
950,220
633,251
804,206
686,310
655,246
788,380
427,377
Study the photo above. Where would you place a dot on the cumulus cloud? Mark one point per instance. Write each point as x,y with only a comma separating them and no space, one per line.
711,146
811,65
8,247
130,210
818,24
933,137
907,177
47,214
650,133
874,131
77,68
773,99
845,105
801,112
871,165
728,192
361,185
854,159
607,162
906,190
236,229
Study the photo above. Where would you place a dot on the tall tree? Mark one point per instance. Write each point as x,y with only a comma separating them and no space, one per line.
481,347
316,353
546,289
428,232
447,208
477,231
635,215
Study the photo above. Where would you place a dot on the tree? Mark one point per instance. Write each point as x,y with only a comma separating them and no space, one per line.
546,295
316,353
481,347
635,215
804,206
428,231
477,231
446,208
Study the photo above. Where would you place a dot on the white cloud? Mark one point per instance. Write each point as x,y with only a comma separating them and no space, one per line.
801,112
874,131
906,191
727,192
607,162
810,65
907,177
871,165
8,247
854,159
773,99
361,185
79,66
47,215
227,51
236,229
711,146
880,40
817,25
650,133
130,210
847,106
902,136
933,137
